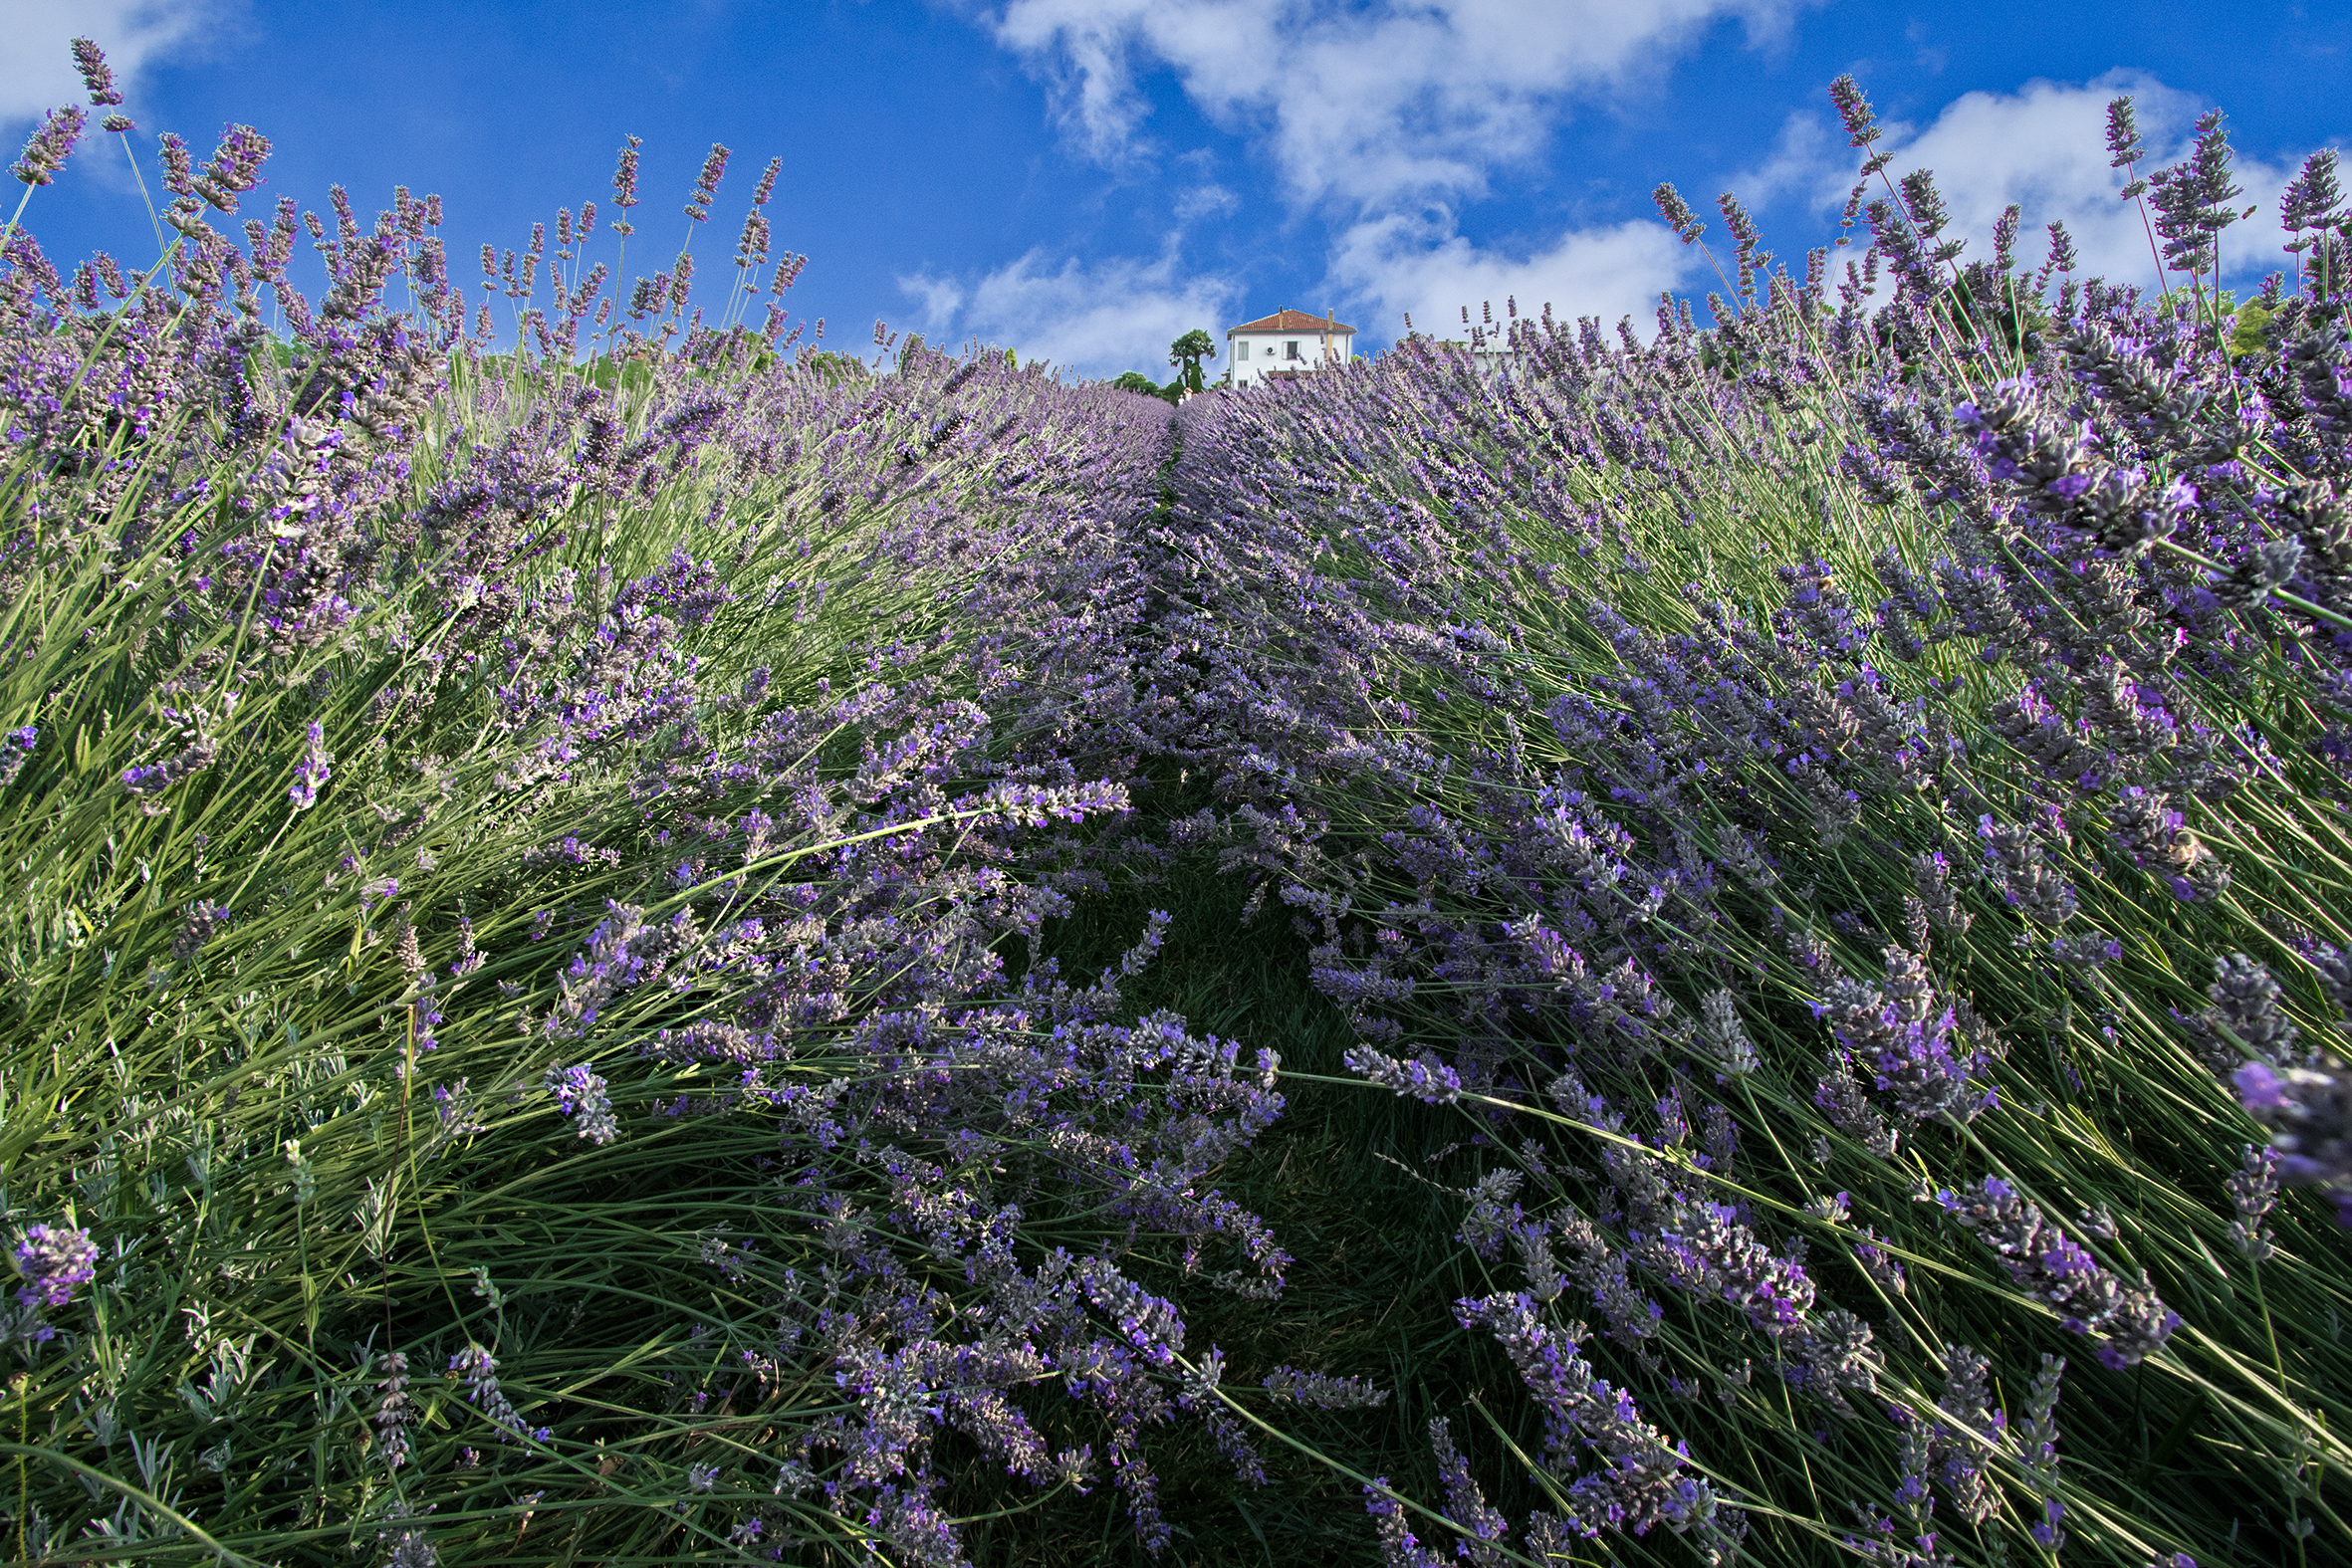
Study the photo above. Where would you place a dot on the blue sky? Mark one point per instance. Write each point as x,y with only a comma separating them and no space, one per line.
1086,179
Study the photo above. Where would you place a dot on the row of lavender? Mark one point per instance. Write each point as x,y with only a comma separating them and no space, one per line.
1850,807
511,868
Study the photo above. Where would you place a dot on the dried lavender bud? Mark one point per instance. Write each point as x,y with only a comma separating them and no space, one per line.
1726,1036
393,1412
1939,899
2253,1192
2245,1002
2016,862
1324,1393
2035,1443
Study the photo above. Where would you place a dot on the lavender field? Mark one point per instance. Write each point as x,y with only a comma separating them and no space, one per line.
1727,942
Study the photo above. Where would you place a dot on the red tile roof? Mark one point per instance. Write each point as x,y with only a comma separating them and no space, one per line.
1288,321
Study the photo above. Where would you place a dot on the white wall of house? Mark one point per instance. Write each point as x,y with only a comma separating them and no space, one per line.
1252,356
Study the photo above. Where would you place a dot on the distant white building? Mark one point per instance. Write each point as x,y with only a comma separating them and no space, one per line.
1286,342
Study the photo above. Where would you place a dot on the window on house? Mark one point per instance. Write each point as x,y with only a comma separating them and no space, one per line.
1291,350
1240,350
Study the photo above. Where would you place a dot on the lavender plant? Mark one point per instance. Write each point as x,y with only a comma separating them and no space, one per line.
526,867
1858,725
533,880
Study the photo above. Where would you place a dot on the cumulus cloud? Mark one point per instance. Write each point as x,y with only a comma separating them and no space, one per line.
1397,267
37,68
1384,106
1389,114
1099,318
2043,148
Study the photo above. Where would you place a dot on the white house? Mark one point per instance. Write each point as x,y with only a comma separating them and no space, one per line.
1287,342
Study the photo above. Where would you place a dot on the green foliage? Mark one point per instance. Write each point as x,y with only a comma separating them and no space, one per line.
840,367
212,1013
1187,352
2249,332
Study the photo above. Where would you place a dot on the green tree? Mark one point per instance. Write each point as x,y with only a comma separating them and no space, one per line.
1187,352
1137,382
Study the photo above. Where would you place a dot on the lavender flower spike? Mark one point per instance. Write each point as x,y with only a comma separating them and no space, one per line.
54,1262
2055,1270
478,1370
578,1090
96,75
49,148
1424,1078
315,769
1322,1392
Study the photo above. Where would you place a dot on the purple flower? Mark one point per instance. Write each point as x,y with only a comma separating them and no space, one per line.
477,1369
1424,1077
97,75
49,148
54,1262
582,1092
2129,1319
16,748
2261,1087
315,769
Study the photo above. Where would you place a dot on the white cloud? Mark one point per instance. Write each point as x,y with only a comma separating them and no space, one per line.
1394,113
1398,267
37,68
1205,202
1099,319
1400,103
2043,148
